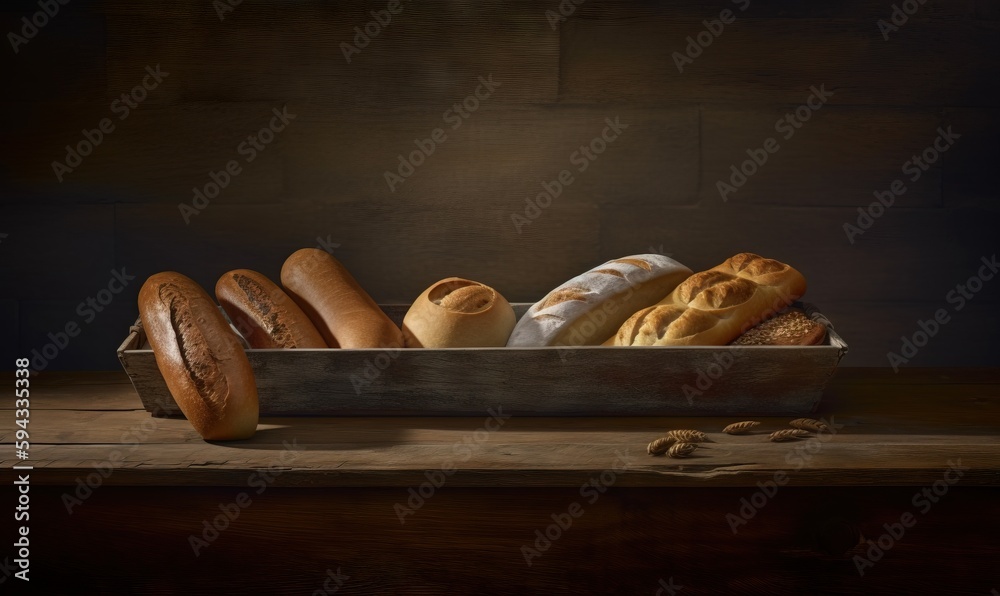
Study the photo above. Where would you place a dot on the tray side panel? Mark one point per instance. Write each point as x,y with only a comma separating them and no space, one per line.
581,381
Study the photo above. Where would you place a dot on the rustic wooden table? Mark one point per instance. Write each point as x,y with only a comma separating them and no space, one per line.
903,496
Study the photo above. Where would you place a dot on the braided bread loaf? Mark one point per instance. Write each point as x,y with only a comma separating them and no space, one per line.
714,307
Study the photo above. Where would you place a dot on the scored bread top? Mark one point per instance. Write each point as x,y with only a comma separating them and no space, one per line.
714,307
589,308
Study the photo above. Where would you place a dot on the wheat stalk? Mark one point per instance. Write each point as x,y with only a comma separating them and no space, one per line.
789,434
660,446
688,436
809,424
740,428
682,449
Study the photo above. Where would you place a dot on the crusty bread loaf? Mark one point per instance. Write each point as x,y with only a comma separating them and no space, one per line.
200,357
458,313
589,308
264,314
344,313
714,307
790,328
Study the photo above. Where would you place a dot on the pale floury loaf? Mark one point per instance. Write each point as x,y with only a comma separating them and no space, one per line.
589,309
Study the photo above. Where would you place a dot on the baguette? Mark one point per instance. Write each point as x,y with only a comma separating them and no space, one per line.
589,308
200,357
715,307
344,313
263,313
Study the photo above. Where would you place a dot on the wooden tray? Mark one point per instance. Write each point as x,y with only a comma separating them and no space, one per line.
586,381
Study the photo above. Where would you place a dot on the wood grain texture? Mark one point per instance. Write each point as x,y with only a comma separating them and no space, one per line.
394,249
872,147
630,59
65,58
9,325
468,541
61,234
431,52
497,156
965,184
893,432
154,154
877,328
907,255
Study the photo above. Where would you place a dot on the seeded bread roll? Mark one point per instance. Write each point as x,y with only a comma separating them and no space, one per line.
714,307
458,313
344,313
588,309
200,357
790,328
264,314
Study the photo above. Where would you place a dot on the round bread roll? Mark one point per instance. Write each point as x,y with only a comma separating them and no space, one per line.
263,313
200,357
344,313
458,313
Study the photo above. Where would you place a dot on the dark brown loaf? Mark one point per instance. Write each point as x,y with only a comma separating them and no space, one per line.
200,357
264,313
790,328
344,313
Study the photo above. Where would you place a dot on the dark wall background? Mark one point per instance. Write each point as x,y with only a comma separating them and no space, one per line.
654,188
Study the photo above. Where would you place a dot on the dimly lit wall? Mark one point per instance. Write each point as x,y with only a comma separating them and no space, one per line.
546,87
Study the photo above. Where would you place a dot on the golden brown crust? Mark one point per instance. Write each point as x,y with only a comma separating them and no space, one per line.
199,356
337,305
264,314
458,313
714,307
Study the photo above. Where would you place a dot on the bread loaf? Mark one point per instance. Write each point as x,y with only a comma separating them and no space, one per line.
714,307
344,313
200,357
588,309
458,313
790,328
264,314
